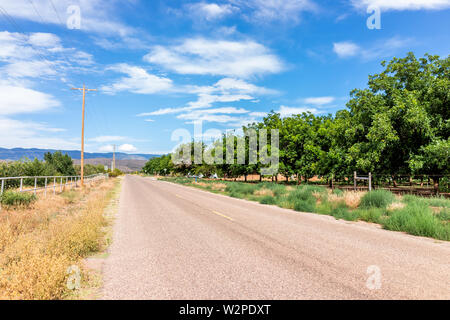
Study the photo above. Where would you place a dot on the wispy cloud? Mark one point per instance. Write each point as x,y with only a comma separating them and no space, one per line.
210,11
402,4
102,139
202,56
376,50
266,11
285,111
138,80
319,101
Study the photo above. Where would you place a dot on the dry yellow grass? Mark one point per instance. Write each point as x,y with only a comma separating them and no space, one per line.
263,192
352,199
396,206
219,186
37,245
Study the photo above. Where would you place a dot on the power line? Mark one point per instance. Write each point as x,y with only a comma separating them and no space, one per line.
57,14
35,10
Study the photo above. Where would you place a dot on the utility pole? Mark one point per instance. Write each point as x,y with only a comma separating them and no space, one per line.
84,89
114,157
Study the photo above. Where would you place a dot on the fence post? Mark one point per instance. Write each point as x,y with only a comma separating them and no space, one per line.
3,186
354,180
45,190
370,181
35,185
54,185
21,184
60,185
332,181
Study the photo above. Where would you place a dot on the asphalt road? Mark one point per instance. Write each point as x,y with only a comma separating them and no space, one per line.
176,242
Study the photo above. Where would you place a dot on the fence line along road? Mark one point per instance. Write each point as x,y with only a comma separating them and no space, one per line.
56,182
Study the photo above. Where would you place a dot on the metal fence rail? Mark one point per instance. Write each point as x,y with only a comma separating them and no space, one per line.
50,182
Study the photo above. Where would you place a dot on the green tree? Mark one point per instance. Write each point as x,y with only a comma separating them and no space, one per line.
62,164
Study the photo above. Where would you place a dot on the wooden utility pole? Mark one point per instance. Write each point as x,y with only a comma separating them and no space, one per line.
114,158
84,89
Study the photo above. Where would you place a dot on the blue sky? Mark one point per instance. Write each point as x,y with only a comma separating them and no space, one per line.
161,65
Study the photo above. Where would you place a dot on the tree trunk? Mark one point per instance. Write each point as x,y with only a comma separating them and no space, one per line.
260,177
436,185
245,177
394,181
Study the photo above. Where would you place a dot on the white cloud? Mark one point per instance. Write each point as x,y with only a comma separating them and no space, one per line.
319,101
346,49
28,134
47,40
149,120
210,11
96,15
286,11
220,118
238,85
285,111
37,55
107,148
216,57
402,4
138,81
379,49
122,148
32,69
127,148
224,90
102,139
16,100
258,114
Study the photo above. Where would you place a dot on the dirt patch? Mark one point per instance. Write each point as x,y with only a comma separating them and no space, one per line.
263,192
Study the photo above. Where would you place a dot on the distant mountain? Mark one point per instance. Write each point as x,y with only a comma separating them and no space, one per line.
19,153
128,165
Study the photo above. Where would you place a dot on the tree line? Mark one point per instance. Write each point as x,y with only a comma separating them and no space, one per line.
398,125
54,164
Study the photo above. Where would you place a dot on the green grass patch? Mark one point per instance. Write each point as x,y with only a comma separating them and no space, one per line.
370,214
433,201
418,219
377,199
305,205
268,200
17,199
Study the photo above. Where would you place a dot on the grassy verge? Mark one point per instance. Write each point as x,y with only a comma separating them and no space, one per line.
429,217
42,245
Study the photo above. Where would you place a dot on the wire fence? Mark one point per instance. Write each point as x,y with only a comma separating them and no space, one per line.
53,184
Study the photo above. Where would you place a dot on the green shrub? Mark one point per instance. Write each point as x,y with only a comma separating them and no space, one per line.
370,214
304,193
267,200
377,199
338,192
418,219
277,189
12,198
433,201
115,173
325,208
305,205
241,188
444,215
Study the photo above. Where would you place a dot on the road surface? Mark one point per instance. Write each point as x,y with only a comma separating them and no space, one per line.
177,242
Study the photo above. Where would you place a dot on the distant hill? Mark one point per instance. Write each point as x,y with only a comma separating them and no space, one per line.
128,165
19,153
